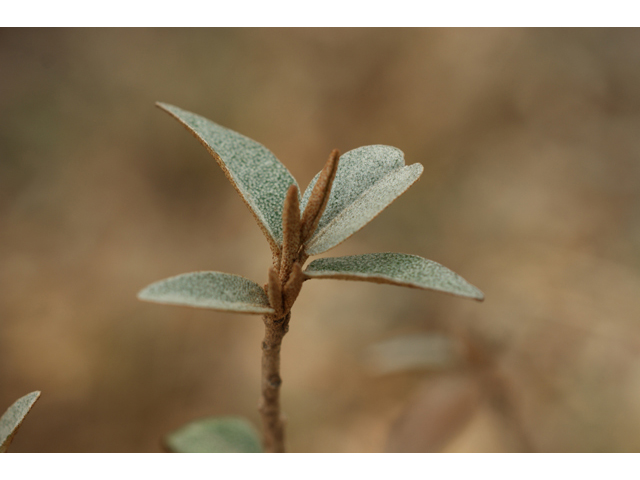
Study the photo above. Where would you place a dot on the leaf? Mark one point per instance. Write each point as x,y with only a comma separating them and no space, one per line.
274,291
396,269
215,435
215,290
438,412
358,169
258,176
412,352
319,195
292,288
13,417
290,231
367,181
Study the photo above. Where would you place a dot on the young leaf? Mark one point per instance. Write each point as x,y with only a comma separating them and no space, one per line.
215,435
290,231
274,291
293,286
363,209
396,269
215,290
13,417
319,195
359,170
258,176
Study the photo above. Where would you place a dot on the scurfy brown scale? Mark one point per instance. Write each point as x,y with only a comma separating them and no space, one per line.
274,291
291,228
319,197
293,286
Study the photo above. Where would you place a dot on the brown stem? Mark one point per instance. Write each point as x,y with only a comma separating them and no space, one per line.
272,420
285,281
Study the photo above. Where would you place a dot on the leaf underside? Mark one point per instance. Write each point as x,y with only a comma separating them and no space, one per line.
368,179
396,269
252,169
13,417
215,435
214,290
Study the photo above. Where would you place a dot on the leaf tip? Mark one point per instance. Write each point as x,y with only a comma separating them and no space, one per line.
142,294
11,420
479,297
163,106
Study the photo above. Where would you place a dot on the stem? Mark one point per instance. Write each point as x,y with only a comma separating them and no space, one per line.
272,419
282,289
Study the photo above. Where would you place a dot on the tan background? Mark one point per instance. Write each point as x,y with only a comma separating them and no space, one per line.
530,142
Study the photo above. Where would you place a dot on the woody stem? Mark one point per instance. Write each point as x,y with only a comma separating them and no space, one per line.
285,281
272,420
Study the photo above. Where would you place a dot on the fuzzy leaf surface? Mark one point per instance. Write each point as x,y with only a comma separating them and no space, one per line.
396,269
349,217
358,170
252,169
215,435
13,417
214,290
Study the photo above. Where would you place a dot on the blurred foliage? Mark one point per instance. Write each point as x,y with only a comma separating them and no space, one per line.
215,435
530,191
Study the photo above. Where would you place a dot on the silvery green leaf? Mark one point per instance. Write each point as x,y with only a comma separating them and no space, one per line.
368,179
215,290
358,169
396,269
215,435
252,169
13,417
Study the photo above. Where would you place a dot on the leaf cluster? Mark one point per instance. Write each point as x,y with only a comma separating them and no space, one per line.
349,192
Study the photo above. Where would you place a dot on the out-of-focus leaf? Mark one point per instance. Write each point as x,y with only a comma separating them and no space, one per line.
359,194
13,417
440,409
215,290
215,435
412,352
253,170
396,269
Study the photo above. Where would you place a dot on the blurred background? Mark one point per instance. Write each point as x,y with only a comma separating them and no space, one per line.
531,191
